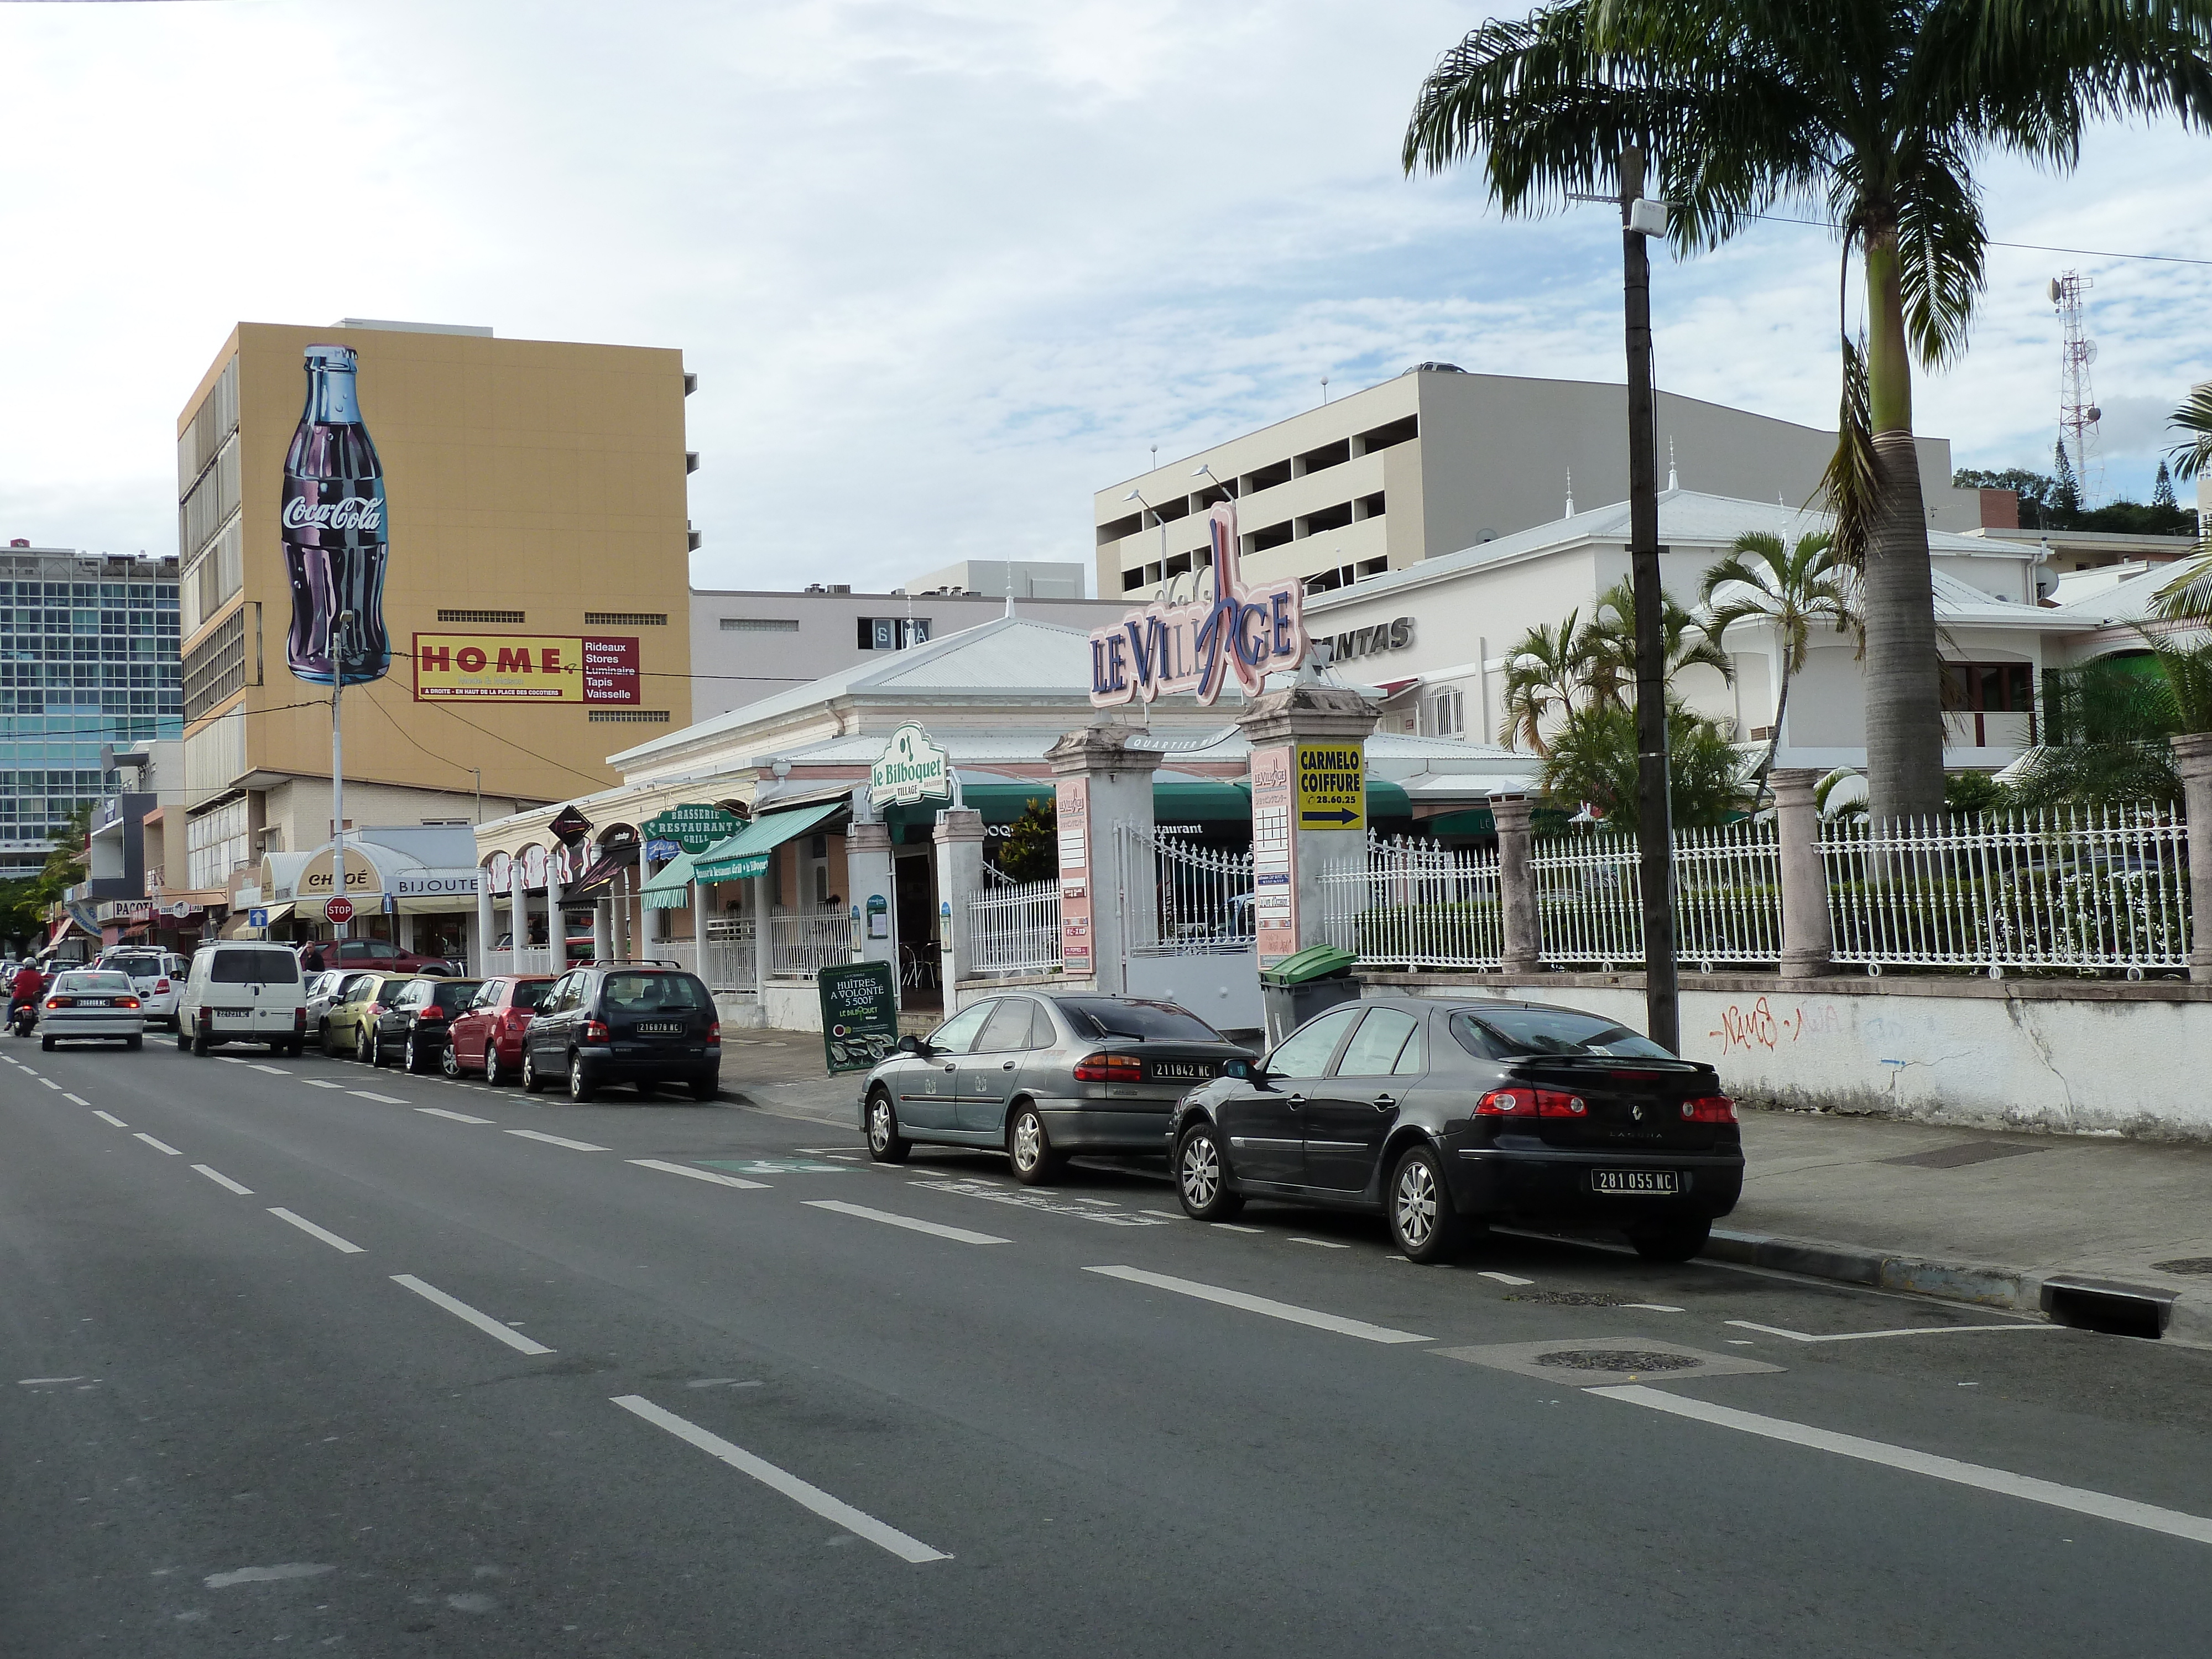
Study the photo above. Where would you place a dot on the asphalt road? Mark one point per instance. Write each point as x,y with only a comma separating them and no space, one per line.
301,1356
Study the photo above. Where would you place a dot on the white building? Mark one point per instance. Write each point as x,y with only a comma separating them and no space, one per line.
1438,459
998,579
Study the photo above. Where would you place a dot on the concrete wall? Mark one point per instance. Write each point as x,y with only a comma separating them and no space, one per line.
2069,1058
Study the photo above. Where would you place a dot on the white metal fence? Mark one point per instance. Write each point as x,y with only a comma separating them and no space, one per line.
530,959
802,944
1201,897
1727,897
2085,888
727,962
1014,928
1588,902
1415,904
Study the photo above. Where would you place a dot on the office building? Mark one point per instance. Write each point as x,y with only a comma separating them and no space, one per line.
997,579
1438,459
88,665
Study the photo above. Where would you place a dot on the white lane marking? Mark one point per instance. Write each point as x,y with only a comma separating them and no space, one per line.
76,1100
49,1083
556,1140
109,1117
2102,1506
461,1310
1261,1304
803,1494
1108,1202
1506,1278
30,1071
935,1230
36,1382
1651,1307
230,1059
323,1083
158,1146
1232,1227
222,1180
458,1117
323,1233
716,1177
1868,1336
381,1100
273,1071
1319,1244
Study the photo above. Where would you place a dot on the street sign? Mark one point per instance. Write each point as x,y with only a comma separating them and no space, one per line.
859,1015
338,910
1332,787
258,916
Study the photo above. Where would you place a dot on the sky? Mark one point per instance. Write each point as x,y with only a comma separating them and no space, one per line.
944,270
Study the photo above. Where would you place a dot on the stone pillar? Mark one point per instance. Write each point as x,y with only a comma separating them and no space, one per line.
1103,790
2193,753
480,950
1807,941
651,923
761,943
1293,842
868,875
556,924
517,913
1520,933
959,837
603,931
699,931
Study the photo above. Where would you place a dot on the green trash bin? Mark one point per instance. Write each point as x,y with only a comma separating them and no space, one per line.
1297,987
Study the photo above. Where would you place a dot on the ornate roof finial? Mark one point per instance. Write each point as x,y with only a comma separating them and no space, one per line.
1673,478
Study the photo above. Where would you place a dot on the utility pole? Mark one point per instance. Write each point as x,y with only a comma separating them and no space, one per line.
339,625
1654,833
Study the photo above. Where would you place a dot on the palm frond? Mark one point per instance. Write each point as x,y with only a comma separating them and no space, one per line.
1849,485
2194,453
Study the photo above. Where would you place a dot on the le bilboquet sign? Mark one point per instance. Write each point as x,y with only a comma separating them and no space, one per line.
913,769
1193,645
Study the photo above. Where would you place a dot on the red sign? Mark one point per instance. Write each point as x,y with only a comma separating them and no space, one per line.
610,670
338,910
1077,958
526,667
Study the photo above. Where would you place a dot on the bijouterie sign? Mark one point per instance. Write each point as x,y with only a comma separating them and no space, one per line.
1249,631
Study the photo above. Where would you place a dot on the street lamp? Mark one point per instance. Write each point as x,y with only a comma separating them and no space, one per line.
1138,497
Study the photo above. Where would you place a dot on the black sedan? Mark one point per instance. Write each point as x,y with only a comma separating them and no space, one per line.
1039,1075
1445,1115
413,1027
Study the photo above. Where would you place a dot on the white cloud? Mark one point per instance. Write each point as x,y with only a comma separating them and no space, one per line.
943,269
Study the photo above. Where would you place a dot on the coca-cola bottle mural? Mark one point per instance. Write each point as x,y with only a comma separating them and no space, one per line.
333,526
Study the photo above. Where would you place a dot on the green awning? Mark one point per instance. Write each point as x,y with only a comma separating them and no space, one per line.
744,854
672,889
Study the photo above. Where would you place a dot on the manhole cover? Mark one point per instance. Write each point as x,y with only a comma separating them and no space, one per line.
2187,1264
1617,1360
1570,1299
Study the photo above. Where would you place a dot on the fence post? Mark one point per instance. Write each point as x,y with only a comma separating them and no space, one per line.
959,837
1520,940
1807,939
2194,753
868,876
1100,783
1309,751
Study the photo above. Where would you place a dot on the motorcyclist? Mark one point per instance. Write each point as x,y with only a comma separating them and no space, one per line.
26,986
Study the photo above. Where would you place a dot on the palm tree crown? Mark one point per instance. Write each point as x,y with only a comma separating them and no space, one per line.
1791,589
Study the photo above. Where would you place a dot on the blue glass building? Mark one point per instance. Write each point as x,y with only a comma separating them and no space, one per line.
88,661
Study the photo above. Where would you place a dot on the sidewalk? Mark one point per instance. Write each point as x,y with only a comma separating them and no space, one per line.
1971,1215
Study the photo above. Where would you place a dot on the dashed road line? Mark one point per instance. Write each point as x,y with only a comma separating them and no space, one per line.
935,1230
1232,1227
461,1310
558,1141
109,1117
1652,1307
1319,1244
805,1493
1287,1311
158,1146
273,1071
322,1083
458,1117
1165,1215
76,1100
1506,1278
346,1245
381,1100
222,1180
1868,1336
51,1084
715,1176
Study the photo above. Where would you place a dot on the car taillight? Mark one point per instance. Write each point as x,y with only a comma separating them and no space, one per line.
715,1031
126,1002
1710,1108
161,985
61,1002
1524,1101
434,1012
1110,1068
595,1031
299,1018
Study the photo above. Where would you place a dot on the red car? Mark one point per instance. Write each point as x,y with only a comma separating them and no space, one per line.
487,1036
380,954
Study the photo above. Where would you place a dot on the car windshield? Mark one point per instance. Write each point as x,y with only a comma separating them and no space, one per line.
94,982
250,967
455,993
532,996
1148,1021
646,993
137,967
1556,1031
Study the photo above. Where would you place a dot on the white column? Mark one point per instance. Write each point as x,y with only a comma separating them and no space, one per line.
868,873
959,838
480,951
699,930
603,933
760,941
517,911
1101,784
557,926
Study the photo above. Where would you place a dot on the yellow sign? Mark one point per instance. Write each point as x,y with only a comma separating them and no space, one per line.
1332,787
361,875
530,667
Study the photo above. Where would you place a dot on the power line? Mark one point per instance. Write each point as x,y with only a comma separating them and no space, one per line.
2031,247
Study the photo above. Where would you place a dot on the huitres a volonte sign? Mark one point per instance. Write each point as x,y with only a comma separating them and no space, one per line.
1194,646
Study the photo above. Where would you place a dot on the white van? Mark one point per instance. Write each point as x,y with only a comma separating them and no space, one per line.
239,992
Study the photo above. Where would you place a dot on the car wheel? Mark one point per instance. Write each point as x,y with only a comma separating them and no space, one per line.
411,1056
494,1077
885,1144
1029,1148
323,1037
374,1058
1670,1241
581,1083
449,1060
706,1088
1202,1178
200,1042
183,1042
46,1043
532,1083
134,1042
1423,1224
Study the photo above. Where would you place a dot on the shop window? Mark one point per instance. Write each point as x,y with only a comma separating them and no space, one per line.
1987,687
893,633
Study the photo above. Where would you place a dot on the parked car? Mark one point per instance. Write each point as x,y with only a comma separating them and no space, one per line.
487,1036
374,953
625,1023
1444,1116
411,1027
350,1027
324,991
92,1003
157,975
1041,1075
240,992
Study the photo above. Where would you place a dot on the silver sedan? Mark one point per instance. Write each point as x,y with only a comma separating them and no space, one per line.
92,1003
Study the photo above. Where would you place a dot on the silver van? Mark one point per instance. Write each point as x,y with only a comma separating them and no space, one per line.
240,992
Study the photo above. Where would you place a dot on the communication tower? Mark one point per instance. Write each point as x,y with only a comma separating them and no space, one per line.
2078,413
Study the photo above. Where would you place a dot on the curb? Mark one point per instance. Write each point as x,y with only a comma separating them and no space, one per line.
1978,1283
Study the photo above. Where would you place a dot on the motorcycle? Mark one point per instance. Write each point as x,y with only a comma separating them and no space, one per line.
23,1017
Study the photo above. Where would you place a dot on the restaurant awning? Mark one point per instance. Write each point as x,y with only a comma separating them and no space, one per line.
599,880
670,889
744,854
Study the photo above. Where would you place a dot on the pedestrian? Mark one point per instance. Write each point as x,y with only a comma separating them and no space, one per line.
26,986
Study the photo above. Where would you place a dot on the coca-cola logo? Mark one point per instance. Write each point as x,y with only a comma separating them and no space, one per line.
353,513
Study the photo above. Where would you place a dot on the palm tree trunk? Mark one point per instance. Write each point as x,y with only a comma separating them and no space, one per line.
1774,737
1903,713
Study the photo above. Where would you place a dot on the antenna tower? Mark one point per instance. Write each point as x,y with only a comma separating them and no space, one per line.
2078,413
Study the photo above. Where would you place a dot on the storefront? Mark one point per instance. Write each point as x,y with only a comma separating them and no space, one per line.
415,885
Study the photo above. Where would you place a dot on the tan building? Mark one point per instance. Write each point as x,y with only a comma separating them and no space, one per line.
535,494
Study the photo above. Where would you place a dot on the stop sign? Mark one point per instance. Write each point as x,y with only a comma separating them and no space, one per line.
339,909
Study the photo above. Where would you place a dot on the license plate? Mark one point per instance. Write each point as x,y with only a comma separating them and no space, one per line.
92,1002
1181,1070
233,1014
659,1028
1633,1181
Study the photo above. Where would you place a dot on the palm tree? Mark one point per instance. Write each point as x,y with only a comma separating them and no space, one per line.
2188,597
1611,648
1873,113
1789,589
1542,675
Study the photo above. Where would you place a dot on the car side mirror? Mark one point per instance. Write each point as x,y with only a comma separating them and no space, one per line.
1241,1068
910,1044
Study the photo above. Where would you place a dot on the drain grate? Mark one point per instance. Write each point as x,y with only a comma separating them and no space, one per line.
2186,1265
1570,1300
1618,1359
